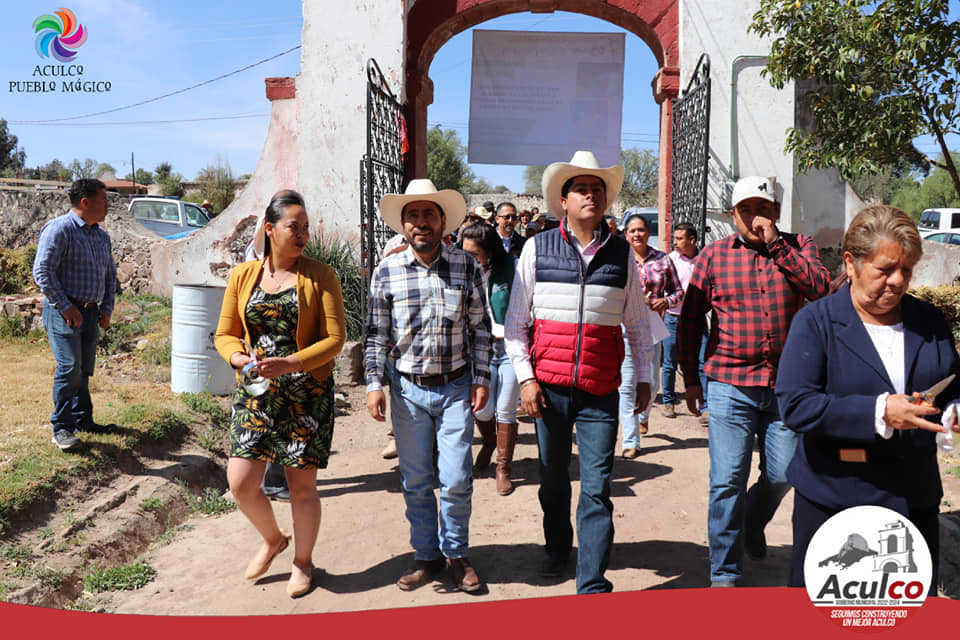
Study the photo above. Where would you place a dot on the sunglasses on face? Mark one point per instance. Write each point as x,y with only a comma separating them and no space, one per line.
509,217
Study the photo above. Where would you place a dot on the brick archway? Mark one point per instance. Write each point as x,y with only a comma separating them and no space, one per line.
430,23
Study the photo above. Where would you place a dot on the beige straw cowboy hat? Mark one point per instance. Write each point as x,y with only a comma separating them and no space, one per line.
452,203
583,163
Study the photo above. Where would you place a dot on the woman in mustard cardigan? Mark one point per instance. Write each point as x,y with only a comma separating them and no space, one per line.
287,310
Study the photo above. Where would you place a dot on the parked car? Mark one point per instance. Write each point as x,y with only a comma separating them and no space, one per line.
168,217
945,237
652,217
933,220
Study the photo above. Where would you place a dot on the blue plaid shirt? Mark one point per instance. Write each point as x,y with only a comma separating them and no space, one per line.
74,259
431,319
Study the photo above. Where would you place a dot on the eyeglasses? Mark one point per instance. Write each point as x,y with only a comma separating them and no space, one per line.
508,217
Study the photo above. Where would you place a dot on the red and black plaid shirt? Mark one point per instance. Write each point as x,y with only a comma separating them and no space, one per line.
753,295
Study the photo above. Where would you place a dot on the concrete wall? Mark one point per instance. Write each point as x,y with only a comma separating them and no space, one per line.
940,264
749,118
332,93
206,256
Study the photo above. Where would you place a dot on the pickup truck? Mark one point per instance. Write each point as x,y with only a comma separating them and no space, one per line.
167,217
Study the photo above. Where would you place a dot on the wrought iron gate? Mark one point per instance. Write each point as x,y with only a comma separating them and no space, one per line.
691,139
381,169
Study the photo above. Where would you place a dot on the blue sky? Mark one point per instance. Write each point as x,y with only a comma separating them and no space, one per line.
148,49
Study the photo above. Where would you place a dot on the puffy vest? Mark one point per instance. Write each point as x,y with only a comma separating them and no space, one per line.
576,339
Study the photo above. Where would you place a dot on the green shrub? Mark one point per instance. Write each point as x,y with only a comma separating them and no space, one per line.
345,262
947,299
123,578
16,269
210,503
151,504
204,403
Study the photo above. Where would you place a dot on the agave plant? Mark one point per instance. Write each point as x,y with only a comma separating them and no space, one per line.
337,252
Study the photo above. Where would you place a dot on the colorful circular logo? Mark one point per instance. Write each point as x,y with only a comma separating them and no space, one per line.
58,34
869,566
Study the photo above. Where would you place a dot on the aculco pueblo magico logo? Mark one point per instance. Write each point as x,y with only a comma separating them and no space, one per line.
59,35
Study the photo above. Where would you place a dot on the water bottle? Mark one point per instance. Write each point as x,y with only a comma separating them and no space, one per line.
945,441
252,381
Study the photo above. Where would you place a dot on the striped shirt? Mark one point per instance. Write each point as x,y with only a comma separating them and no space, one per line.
659,277
74,260
431,319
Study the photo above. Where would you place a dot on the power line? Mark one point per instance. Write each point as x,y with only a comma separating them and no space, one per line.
166,95
112,124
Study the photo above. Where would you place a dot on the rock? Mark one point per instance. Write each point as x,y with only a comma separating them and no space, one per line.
349,364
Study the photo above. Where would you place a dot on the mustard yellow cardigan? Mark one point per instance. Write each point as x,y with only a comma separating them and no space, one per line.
321,325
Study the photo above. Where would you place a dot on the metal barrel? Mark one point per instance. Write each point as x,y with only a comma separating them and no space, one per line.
195,364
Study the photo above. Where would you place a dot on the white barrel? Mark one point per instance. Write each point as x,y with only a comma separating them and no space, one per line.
195,365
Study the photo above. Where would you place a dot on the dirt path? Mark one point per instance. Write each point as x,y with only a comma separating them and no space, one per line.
660,502
660,519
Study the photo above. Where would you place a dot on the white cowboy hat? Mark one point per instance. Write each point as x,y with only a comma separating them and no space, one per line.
452,203
583,163
483,213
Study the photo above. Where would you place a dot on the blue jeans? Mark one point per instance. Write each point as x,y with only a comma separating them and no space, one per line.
75,350
504,390
629,421
422,416
738,415
670,361
596,420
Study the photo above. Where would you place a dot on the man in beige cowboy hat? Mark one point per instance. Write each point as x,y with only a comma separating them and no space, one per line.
575,286
428,309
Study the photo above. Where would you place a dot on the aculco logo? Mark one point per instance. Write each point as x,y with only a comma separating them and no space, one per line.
58,34
869,566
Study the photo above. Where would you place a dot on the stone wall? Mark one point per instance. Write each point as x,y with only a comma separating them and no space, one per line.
23,213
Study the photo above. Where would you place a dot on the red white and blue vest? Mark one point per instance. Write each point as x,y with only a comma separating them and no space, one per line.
576,340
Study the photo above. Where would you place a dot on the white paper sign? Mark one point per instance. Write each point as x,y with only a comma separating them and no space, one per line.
537,97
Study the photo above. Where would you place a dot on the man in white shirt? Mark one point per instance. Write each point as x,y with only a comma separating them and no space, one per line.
575,285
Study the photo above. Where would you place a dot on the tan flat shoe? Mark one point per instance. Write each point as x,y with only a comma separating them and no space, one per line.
300,583
256,569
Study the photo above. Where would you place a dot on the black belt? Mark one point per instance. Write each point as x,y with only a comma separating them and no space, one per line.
81,304
437,380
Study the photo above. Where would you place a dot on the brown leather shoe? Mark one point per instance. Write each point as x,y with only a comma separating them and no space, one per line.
464,576
668,411
423,572
643,428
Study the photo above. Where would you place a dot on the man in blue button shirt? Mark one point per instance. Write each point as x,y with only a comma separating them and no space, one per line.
75,271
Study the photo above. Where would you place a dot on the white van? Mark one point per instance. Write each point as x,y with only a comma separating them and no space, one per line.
932,220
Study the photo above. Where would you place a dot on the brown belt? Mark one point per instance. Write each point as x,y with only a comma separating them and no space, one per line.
437,380
81,304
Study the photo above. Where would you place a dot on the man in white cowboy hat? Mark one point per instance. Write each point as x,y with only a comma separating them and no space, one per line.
752,283
428,308
575,286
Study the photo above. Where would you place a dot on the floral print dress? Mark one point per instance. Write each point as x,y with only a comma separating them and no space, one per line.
292,422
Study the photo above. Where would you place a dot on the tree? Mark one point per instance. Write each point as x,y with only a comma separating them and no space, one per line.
446,160
217,184
447,163
143,177
12,157
170,182
53,170
875,76
640,175
533,179
89,168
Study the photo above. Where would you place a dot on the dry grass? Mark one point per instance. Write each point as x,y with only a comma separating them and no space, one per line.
126,391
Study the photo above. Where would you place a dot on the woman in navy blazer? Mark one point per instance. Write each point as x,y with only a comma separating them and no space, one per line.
850,361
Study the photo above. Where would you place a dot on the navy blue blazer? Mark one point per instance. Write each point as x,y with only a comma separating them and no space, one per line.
829,378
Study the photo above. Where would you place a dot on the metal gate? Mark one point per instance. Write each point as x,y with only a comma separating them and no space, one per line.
691,137
381,169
